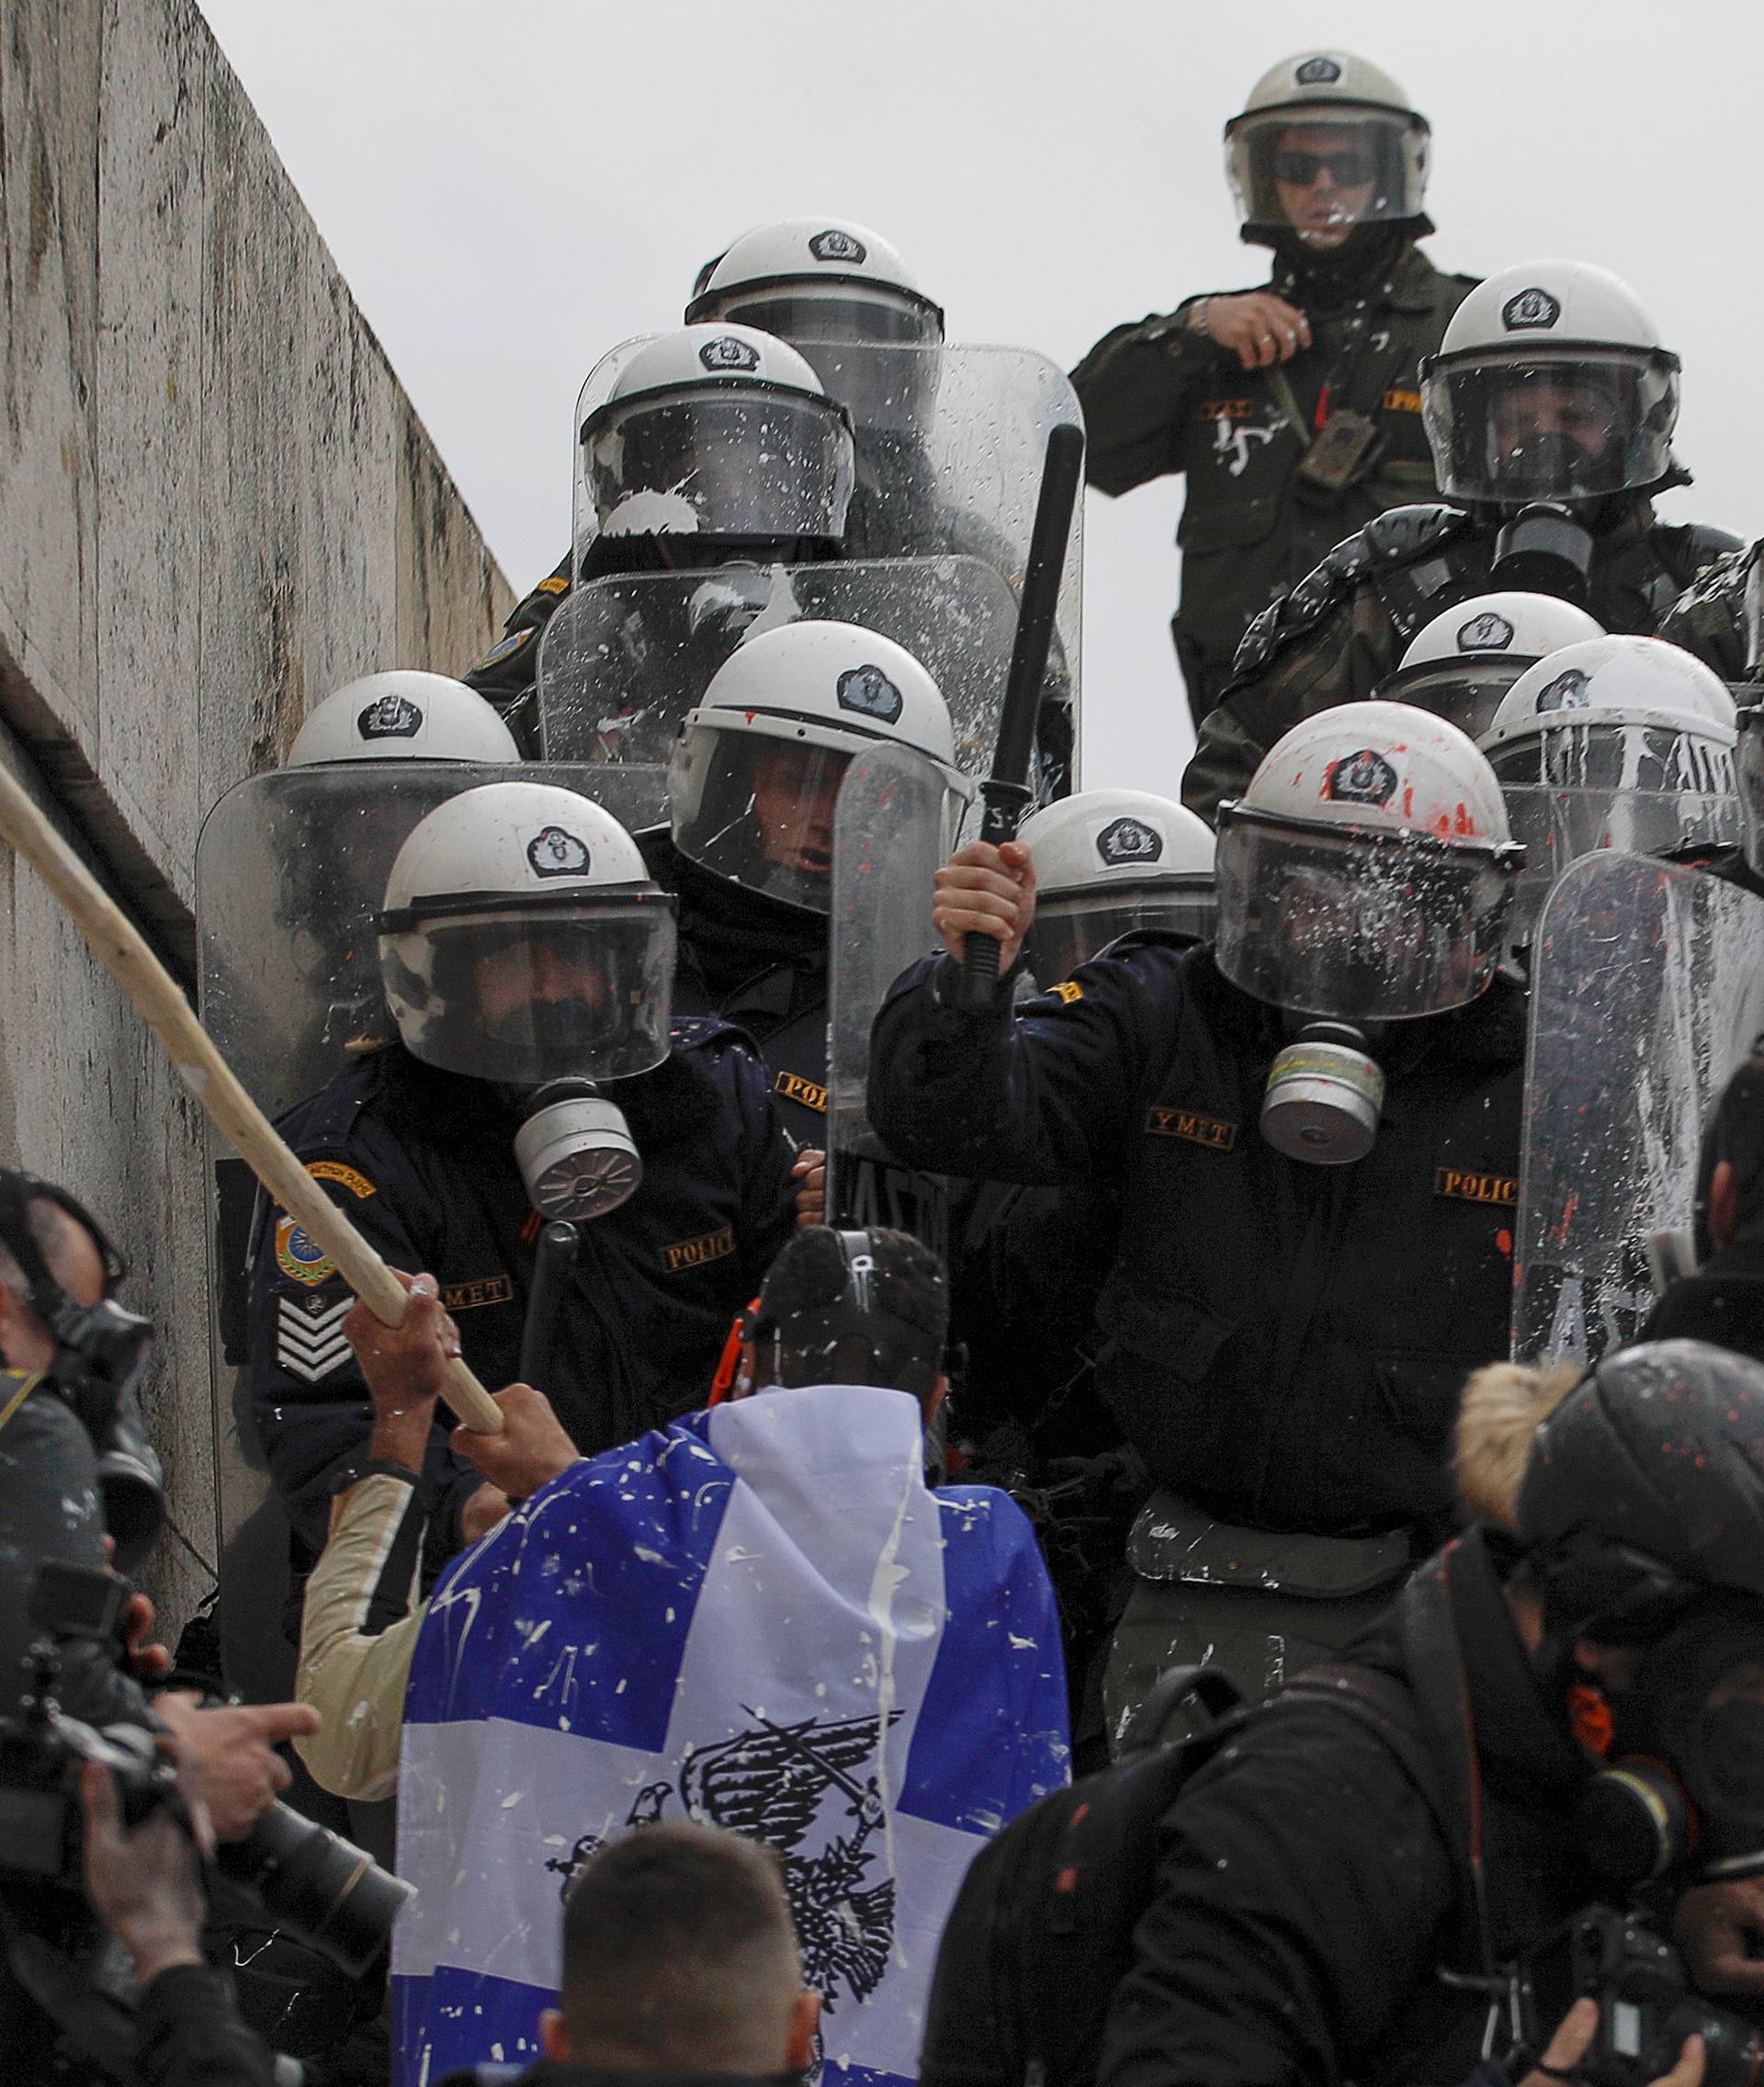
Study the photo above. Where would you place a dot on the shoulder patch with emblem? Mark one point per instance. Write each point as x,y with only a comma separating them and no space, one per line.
351,1178
299,1256
504,649
310,1340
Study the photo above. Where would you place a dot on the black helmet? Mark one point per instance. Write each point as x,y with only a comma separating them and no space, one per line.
1644,1490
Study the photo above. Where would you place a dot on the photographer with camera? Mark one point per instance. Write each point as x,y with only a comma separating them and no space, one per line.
78,1486
1539,1782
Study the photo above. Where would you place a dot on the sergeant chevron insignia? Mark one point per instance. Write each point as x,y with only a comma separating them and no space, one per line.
310,1340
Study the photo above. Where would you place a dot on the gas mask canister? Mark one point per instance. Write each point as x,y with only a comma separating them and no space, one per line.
1683,1788
575,1151
1324,1095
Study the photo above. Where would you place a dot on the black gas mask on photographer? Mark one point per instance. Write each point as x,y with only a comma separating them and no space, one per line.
99,1362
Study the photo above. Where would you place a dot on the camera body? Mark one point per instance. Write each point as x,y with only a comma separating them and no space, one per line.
1646,2004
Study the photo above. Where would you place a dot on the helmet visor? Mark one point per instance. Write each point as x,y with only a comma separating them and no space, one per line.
1575,425
1466,691
1750,761
768,465
581,988
850,310
1559,826
756,807
1320,172
1069,931
1361,927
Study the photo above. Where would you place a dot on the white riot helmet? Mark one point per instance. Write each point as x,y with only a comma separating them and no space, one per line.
1550,383
720,432
402,716
757,766
1108,862
842,294
1365,873
523,940
1624,742
1326,141
1750,756
1461,664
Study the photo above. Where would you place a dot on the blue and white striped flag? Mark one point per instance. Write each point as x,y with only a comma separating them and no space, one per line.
762,1618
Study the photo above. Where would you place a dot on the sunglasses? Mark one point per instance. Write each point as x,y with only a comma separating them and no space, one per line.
1348,169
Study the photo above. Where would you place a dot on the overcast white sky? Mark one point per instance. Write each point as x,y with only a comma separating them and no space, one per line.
512,186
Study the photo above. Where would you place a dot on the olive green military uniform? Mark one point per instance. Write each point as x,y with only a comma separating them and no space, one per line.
1160,399
1710,618
1342,631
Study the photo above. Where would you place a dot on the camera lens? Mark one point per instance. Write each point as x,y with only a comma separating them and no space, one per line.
319,1886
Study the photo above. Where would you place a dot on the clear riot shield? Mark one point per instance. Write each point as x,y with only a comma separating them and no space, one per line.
1559,826
1647,990
291,868
625,659
895,825
950,444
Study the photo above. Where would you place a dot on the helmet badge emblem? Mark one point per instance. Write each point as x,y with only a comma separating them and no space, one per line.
1488,632
869,692
1528,310
1365,778
1318,73
1566,692
1129,840
553,852
391,716
727,353
835,245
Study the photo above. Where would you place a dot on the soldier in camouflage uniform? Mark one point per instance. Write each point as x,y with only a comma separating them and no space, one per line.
1550,387
1294,411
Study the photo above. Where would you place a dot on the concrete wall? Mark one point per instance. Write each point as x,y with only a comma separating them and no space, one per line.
216,504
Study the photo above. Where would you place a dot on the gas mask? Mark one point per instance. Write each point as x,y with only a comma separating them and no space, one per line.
99,1362
1544,550
1324,1095
1683,1788
575,1151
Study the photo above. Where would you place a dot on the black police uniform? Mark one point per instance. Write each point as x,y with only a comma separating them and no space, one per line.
1309,1890
423,1161
1159,398
1342,631
1283,1343
745,958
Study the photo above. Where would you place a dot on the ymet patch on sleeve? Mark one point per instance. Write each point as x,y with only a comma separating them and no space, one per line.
807,1094
351,1178
1464,1185
1191,1126
694,1252
482,1289
299,1256
1402,401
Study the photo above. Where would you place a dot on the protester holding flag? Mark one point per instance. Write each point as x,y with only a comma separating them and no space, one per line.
761,1617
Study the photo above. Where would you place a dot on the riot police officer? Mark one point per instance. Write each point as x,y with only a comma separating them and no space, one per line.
1551,391
748,849
527,959
1314,1127
1294,411
715,445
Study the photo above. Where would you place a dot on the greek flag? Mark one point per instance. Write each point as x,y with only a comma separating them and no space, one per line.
762,1618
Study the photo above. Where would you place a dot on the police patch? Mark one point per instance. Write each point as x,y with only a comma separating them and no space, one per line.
1129,840
1067,990
1318,73
869,692
727,353
392,717
696,1253
1365,778
1191,1128
553,852
806,1094
1466,1185
1566,692
299,1256
835,245
1488,632
1530,311
310,1340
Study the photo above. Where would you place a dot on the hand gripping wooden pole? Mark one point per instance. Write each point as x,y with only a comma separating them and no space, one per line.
122,952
